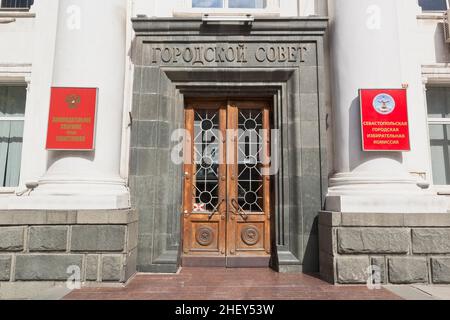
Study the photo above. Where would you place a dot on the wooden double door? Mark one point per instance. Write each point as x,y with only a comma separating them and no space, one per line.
227,205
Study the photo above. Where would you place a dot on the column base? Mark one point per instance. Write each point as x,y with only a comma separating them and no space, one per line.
64,202
382,192
70,186
400,203
363,183
68,193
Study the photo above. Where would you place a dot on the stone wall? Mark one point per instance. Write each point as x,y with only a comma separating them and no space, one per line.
281,59
50,246
407,248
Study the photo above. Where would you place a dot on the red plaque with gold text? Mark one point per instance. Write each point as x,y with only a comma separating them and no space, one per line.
71,124
384,116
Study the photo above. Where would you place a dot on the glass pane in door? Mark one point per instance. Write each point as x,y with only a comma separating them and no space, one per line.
250,156
206,159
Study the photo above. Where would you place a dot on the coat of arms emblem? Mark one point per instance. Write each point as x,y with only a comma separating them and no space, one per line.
73,101
384,104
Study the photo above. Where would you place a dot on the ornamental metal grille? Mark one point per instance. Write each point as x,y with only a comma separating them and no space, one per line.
206,159
250,148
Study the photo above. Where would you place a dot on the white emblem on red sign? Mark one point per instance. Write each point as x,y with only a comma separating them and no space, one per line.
384,104
199,207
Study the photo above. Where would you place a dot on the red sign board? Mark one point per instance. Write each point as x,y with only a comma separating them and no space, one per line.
71,124
384,116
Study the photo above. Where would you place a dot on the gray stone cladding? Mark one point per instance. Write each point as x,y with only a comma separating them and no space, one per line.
281,59
99,246
401,248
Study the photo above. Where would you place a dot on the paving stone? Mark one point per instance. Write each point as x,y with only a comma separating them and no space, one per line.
235,284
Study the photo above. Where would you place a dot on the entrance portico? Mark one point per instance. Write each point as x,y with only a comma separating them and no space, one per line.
280,60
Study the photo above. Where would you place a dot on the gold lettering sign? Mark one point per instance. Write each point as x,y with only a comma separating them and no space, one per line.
239,53
70,139
71,120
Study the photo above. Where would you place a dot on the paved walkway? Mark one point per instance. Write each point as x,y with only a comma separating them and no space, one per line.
230,284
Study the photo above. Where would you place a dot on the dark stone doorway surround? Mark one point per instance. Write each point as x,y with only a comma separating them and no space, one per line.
281,59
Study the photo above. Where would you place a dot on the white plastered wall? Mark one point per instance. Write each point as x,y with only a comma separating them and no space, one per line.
422,48
26,56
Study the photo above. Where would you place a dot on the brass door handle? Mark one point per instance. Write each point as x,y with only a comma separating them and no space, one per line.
216,209
239,209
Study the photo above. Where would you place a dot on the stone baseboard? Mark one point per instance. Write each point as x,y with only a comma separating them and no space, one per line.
92,246
403,248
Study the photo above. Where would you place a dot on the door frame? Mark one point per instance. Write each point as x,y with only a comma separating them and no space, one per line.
227,256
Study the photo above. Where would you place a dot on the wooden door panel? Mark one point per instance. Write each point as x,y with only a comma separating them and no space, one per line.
205,236
205,189
250,237
248,187
226,191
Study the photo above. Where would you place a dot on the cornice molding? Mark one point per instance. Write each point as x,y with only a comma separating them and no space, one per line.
8,14
144,26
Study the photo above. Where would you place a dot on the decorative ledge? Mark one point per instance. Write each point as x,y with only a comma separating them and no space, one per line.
16,14
7,191
7,20
67,217
431,16
145,26
198,13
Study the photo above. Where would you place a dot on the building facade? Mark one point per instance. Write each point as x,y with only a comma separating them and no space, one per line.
227,134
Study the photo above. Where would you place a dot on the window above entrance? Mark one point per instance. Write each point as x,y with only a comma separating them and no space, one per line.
233,7
434,5
247,4
16,4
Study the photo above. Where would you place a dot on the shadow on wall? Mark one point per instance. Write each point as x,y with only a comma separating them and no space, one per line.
54,156
357,156
354,135
442,49
206,29
311,248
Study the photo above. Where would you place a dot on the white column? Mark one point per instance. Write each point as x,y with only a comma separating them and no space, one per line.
91,52
365,53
